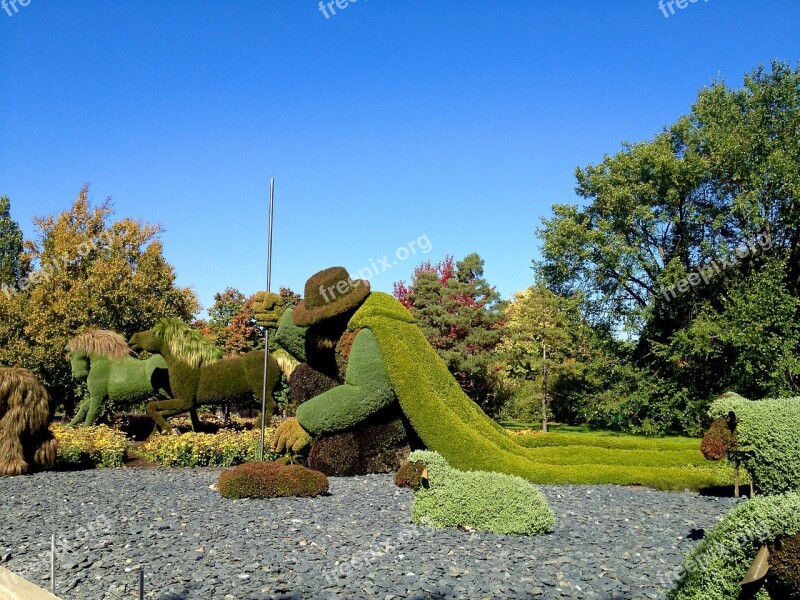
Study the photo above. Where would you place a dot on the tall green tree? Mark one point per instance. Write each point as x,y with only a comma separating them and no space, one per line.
460,314
546,335
662,240
86,271
11,270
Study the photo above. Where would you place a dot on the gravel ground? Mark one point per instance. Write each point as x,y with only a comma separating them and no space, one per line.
359,542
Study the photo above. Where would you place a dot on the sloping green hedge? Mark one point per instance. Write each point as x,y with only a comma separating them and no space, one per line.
768,440
487,501
448,422
714,568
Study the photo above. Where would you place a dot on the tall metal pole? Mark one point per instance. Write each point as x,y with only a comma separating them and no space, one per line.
266,329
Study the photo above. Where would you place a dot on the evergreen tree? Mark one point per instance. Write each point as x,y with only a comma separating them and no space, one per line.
10,246
461,317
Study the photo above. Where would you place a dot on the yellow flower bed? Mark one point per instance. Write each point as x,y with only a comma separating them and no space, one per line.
222,449
83,447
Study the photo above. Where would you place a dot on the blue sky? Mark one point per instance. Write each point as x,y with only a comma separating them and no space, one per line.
461,121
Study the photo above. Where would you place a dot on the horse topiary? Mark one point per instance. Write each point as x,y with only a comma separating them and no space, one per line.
113,375
25,410
199,376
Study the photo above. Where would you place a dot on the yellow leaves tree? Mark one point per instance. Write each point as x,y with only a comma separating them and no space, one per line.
85,270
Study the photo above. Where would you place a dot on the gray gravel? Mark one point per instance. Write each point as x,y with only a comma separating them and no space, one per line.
359,542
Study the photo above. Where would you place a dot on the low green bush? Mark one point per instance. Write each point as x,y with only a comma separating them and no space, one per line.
271,480
714,568
223,449
768,440
493,502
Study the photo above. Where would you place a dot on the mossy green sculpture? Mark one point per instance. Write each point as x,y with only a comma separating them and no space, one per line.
715,568
200,376
391,361
113,376
763,436
26,442
477,499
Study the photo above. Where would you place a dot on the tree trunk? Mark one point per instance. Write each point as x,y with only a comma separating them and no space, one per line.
544,388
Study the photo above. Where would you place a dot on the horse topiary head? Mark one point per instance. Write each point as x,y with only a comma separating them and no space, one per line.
181,341
98,343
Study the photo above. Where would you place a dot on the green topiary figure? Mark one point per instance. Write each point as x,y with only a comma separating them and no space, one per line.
25,409
271,480
113,376
714,569
762,436
391,363
200,376
480,500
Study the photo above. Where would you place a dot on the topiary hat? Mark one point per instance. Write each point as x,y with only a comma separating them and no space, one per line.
329,293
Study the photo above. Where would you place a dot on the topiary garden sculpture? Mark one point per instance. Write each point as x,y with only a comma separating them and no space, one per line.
113,376
271,480
26,442
199,376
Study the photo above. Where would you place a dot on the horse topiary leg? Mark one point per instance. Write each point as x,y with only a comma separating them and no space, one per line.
96,402
160,409
80,416
195,420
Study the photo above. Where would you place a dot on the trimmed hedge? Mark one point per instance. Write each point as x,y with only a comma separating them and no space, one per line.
448,422
376,447
487,501
271,480
768,440
714,568
366,391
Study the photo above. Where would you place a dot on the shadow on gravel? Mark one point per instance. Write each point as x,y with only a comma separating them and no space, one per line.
725,491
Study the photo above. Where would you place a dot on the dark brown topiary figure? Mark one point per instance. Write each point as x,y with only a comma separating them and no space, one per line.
718,440
271,480
379,446
409,475
783,577
26,443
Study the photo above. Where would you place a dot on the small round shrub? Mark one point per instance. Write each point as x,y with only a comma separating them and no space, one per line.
271,480
409,475
783,577
718,440
306,383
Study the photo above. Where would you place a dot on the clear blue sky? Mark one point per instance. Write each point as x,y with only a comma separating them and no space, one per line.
459,120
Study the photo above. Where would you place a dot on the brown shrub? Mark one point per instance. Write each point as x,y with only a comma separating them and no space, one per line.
271,480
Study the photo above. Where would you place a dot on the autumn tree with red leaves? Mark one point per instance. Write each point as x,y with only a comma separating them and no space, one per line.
461,317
